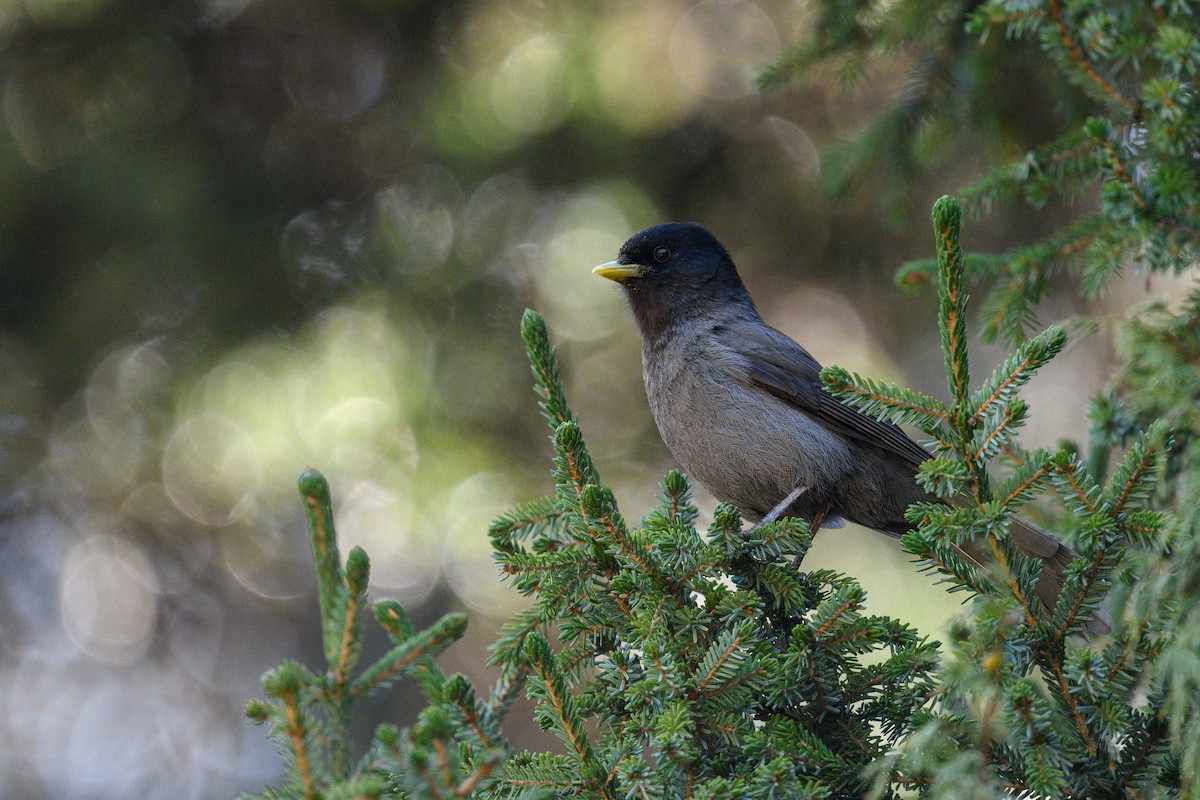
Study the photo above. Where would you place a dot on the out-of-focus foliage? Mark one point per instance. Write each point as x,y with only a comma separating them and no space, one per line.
1136,64
957,95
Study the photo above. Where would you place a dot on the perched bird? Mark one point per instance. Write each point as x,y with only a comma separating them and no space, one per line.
741,406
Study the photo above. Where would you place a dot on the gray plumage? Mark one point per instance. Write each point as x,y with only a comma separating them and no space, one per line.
741,407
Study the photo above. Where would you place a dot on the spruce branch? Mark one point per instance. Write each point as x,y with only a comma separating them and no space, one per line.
547,378
1015,372
893,403
1134,478
331,586
953,300
310,715
1033,738
1085,730
558,711
1026,482
663,642
673,664
409,653
996,431
1069,43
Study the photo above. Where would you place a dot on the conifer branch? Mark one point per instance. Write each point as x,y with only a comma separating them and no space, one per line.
895,404
834,615
1016,371
1082,594
357,574
1076,713
331,584
1021,486
575,470
1015,588
710,667
1101,132
990,439
548,379
297,732
598,504
472,718
1016,16
1055,12
952,308
561,705
1131,481
718,659
1152,740
442,634
1078,489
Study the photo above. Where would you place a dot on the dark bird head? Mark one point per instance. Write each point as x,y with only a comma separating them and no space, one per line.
674,272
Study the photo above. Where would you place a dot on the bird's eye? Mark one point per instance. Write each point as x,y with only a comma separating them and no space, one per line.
661,254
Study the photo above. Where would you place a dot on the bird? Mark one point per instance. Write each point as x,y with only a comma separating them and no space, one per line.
741,406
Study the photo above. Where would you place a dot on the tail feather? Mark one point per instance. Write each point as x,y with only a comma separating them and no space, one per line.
1055,556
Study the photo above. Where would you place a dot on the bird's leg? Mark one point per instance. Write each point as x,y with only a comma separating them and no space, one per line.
777,512
814,525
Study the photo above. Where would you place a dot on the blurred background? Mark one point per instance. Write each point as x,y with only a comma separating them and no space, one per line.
239,239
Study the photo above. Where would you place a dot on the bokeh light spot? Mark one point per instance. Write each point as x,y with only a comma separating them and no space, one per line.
63,13
335,72
54,106
587,230
796,144
718,45
267,556
108,598
831,327
419,232
381,519
469,567
529,90
635,84
211,469
324,248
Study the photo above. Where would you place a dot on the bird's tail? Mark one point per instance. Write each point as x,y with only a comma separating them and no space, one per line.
1055,556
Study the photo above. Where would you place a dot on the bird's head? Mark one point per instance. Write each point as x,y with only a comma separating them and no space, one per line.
674,271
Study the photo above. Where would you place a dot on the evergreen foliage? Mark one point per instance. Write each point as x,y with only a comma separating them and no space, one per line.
1025,706
708,666
669,663
454,748
672,664
1133,143
1134,65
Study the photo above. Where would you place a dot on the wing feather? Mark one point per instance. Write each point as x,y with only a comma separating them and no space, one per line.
778,365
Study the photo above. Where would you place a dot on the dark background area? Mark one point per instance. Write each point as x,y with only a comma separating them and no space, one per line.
239,239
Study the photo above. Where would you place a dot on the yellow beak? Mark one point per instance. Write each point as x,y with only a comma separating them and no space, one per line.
615,271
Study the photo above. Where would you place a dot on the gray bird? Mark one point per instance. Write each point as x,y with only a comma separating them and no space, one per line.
741,406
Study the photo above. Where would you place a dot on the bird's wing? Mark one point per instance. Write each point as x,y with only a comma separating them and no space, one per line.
777,364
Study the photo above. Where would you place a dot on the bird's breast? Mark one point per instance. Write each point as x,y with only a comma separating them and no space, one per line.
742,444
